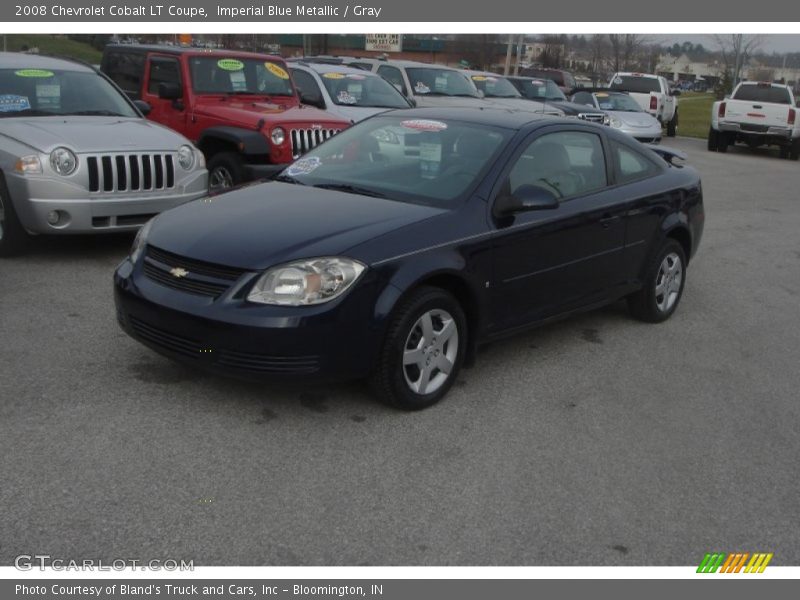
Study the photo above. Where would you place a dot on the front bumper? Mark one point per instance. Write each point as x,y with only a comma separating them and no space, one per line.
335,341
36,197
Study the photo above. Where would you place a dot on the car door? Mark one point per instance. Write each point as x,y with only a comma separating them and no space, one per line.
164,69
546,262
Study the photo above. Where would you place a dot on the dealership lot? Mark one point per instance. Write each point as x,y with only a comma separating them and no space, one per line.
598,440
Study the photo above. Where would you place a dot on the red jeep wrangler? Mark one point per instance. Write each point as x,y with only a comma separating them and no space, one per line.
240,108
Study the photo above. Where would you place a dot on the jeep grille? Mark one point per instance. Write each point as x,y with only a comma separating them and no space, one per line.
131,172
304,140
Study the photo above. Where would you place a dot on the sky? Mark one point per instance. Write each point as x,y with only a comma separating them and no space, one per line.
773,42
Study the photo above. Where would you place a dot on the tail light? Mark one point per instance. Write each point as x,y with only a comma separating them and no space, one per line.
792,115
721,111
653,103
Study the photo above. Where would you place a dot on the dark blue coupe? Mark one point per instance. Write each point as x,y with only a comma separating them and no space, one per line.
394,249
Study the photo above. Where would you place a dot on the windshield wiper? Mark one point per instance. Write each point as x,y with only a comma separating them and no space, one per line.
288,179
29,112
350,189
95,113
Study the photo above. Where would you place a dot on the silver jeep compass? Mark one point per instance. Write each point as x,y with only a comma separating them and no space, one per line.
77,156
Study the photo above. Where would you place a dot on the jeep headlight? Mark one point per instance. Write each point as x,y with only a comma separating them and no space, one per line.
63,161
278,136
140,240
305,282
614,122
186,157
607,120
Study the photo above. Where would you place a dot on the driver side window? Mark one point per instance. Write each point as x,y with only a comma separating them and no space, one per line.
566,163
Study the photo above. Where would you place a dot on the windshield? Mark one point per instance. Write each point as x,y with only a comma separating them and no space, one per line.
214,75
541,89
44,92
621,102
763,92
422,161
440,82
495,87
637,85
355,89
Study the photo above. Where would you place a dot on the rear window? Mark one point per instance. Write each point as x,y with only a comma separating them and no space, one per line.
763,93
637,85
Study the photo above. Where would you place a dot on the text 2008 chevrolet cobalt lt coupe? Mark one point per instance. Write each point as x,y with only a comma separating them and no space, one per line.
395,248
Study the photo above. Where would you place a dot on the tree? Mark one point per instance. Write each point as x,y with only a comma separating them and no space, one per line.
624,49
736,49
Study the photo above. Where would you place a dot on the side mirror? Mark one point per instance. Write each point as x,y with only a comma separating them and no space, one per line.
143,107
524,199
170,91
311,99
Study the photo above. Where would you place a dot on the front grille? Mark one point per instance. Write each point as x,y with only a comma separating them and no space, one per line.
263,363
131,172
593,117
200,278
304,140
230,359
168,341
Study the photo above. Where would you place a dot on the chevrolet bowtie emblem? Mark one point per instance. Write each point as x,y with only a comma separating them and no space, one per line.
178,272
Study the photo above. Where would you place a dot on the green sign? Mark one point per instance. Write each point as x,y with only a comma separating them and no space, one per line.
230,64
33,73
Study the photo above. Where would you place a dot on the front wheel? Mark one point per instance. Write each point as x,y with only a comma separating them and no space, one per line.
663,285
225,171
423,351
13,237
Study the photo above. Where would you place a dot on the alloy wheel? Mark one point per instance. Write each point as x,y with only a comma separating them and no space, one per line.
668,282
220,179
430,351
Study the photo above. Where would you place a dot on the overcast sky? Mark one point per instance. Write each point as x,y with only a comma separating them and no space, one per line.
773,42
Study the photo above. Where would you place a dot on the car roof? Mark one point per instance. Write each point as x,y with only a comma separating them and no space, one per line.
329,68
635,74
527,78
600,90
484,73
497,117
21,60
164,49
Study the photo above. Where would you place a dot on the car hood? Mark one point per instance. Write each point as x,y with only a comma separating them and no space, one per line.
638,120
426,101
572,109
249,113
355,114
270,223
90,134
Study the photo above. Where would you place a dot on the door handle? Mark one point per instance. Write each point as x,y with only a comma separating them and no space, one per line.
607,219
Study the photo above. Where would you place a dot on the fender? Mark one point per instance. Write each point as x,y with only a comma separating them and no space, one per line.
248,141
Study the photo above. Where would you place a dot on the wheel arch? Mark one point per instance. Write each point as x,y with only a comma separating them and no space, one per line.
233,139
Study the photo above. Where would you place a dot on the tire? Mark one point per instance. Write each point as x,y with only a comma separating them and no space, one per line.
713,139
722,142
225,171
783,151
408,374
13,237
794,152
664,281
672,126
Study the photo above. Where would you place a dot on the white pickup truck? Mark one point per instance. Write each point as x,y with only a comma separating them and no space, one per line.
758,114
653,94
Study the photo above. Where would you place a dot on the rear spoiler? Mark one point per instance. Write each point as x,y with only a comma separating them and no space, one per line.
668,154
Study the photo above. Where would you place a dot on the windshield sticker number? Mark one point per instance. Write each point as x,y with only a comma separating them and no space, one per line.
424,125
440,83
618,80
230,64
333,75
38,73
421,88
304,166
238,81
345,97
279,72
13,103
430,159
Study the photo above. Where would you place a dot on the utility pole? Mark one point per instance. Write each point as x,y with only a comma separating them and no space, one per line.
519,55
508,55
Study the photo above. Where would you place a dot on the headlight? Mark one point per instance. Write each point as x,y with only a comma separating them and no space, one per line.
140,240
28,164
614,122
306,282
63,161
186,157
278,136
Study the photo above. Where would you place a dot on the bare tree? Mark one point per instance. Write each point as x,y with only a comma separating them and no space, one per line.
736,49
625,48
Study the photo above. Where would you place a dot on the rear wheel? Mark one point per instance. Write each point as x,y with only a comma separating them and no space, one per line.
713,139
423,350
13,237
794,151
672,125
225,171
722,142
663,285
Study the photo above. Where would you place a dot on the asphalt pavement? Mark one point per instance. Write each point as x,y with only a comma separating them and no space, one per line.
594,441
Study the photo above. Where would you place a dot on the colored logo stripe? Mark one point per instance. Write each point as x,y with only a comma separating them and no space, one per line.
734,562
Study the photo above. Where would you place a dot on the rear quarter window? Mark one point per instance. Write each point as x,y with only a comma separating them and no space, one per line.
763,93
632,165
